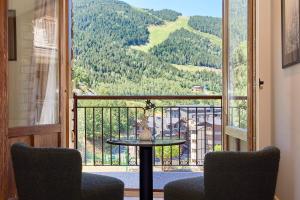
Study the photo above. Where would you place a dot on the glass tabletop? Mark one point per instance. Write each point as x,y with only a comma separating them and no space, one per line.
165,142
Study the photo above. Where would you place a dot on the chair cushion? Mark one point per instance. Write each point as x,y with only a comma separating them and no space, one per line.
185,189
96,187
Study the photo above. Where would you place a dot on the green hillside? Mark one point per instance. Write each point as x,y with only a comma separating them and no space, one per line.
158,34
113,55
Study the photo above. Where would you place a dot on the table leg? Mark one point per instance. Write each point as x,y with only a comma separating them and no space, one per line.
146,174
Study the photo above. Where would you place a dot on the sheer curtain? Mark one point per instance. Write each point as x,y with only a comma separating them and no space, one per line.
44,103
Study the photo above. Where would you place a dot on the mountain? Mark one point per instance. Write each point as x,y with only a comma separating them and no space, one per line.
105,32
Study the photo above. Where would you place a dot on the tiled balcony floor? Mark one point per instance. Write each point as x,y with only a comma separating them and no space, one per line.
160,179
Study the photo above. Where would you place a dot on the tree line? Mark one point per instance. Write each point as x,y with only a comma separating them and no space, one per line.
211,25
165,14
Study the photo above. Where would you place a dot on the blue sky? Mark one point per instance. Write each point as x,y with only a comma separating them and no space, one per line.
186,7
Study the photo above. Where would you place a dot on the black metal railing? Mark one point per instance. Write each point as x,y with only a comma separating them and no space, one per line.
198,122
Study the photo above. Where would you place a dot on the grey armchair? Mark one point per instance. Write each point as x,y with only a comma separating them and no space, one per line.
48,174
231,176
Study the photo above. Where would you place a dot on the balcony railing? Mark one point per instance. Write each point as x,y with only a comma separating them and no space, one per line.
199,122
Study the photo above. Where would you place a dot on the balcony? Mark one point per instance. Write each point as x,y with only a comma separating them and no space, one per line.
197,119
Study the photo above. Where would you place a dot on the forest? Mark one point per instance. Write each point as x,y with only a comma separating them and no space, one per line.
211,25
165,14
105,30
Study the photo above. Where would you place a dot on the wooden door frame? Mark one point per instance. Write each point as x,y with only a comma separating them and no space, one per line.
251,93
224,73
65,71
251,75
3,102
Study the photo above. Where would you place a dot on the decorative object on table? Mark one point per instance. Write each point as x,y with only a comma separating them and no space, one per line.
12,35
290,32
146,134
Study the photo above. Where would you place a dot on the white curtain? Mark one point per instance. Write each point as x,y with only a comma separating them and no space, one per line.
45,60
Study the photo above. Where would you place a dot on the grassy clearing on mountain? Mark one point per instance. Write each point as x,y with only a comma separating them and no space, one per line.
160,33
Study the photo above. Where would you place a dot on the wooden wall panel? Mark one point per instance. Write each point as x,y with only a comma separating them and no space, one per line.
3,102
47,140
24,139
34,130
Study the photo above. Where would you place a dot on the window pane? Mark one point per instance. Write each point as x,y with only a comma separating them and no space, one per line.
238,48
33,62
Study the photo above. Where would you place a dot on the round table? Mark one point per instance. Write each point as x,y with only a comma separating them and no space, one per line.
146,159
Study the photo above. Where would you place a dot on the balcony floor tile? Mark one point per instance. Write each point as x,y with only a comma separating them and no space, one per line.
160,179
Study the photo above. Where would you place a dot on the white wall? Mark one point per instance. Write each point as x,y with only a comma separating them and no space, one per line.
286,114
279,101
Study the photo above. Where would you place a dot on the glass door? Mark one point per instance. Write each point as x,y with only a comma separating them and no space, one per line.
239,75
33,44
37,74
